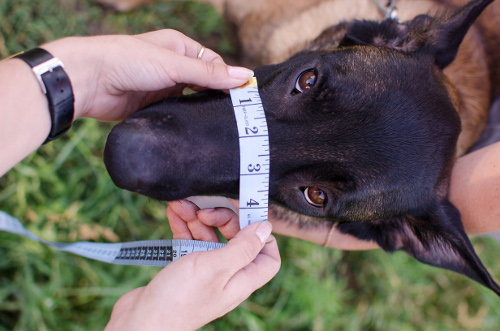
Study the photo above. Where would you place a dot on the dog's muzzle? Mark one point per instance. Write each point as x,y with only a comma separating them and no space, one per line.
177,148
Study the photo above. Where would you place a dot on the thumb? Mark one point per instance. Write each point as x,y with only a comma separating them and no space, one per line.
213,75
245,246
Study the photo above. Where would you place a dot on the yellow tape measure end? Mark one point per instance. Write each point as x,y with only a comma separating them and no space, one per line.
252,82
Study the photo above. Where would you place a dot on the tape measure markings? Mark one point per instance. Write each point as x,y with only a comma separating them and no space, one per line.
254,154
254,187
145,252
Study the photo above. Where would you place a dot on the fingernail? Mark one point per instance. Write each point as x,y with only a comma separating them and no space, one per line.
239,72
264,230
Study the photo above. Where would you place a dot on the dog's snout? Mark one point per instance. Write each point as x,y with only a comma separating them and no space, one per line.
137,121
161,150
126,155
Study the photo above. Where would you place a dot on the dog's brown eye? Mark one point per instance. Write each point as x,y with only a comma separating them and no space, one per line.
315,196
306,80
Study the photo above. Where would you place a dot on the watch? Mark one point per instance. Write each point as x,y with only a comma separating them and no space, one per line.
55,84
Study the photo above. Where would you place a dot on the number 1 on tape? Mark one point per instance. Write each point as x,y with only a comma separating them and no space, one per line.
254,153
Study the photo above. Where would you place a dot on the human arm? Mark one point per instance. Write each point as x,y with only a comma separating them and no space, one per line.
474,190
111,77
201,286
227,221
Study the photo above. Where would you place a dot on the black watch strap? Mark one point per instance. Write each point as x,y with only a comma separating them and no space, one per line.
56,85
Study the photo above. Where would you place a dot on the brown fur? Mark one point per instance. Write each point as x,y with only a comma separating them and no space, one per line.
385,162
268,32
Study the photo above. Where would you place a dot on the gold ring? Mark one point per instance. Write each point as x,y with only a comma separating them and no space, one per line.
200,54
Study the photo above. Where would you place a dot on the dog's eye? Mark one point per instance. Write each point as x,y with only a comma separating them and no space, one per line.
315,196
306,80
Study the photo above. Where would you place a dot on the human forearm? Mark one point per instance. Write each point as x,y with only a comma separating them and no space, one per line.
474,190
111,77
24,115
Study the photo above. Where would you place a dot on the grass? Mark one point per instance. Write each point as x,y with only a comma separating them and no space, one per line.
63,193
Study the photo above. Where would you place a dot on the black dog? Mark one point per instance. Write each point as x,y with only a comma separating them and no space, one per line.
363,132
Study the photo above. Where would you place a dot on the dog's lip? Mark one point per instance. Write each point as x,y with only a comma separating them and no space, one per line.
191,136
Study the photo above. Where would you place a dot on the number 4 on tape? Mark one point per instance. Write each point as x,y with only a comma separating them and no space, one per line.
254,153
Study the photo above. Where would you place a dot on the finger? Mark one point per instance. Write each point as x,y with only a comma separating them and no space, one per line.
186,211
226,220
207,55
257,273
182,69
127,300
178,226
202,232
181,44
271,249
244,247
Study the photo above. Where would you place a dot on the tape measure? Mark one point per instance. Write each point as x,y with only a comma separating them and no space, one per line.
147,252
254,196
254,153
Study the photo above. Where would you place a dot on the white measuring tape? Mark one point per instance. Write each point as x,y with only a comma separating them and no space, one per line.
147,252
254,153
254,196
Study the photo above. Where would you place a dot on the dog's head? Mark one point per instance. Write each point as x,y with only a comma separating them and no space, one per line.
363,133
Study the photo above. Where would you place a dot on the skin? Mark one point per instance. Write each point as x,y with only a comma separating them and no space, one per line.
474,190
107,82
112,77
119,87
375,130
201,286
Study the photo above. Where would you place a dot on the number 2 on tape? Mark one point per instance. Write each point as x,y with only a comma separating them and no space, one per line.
254,195
254,153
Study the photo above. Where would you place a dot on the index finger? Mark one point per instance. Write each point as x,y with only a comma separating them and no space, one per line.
182,69
181,44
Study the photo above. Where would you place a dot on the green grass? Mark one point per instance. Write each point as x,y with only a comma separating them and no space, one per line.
63,193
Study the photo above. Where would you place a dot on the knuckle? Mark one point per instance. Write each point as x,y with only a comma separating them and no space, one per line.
210,69
249,250
171,32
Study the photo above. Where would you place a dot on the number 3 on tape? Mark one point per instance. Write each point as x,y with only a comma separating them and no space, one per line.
254,195
254,153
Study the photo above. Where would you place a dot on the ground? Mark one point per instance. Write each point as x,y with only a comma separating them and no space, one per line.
63,193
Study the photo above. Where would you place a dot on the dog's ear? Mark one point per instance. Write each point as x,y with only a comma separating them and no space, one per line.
443,36
440,37
437,239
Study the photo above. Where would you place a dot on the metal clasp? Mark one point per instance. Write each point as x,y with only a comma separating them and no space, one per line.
47,66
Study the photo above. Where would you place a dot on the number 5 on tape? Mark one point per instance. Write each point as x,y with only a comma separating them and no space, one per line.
254,153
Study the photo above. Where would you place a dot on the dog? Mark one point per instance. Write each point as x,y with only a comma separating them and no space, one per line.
365,123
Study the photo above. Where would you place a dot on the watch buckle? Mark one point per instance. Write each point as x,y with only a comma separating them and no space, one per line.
42,68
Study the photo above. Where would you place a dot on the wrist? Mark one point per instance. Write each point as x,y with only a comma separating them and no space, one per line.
80,69
55,85
24,121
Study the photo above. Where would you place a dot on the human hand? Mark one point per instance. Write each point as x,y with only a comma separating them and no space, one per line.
201,286
202,222
113,76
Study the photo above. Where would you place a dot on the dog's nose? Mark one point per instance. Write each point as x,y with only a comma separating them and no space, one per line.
126,152
137,121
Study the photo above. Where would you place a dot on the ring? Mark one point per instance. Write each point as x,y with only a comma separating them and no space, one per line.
200,54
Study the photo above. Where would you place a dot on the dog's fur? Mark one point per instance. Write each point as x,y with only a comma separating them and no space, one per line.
377,132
